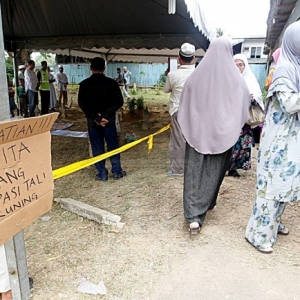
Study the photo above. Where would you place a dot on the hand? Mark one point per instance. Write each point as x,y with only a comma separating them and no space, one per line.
103,122
98,119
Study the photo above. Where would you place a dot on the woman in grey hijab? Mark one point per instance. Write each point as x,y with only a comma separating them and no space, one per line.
278,164
213,108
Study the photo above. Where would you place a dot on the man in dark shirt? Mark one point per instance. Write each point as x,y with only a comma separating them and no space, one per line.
99,97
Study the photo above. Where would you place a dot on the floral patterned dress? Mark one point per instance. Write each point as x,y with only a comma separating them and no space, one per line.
278,169
241,152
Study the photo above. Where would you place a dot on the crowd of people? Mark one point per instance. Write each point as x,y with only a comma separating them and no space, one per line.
33,81
123,79
210,134
210,130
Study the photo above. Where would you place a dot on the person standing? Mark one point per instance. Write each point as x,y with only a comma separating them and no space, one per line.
269,78
31,87
62,83
121,82
127,76
22,99
278,162
52,90
11,97
99,97
174,84
43,78
22,69
5,290
213,108
241,155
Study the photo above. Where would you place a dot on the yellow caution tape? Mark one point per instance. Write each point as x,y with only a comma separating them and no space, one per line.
58,173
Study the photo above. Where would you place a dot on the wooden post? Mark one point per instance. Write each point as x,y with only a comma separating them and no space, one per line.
15,248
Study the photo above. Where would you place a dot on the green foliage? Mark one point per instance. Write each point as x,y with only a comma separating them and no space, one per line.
131,104
162,79
49,58
219,31
133,92
9,68
140,103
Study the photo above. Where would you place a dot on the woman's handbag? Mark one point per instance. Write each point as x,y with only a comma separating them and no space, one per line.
256,115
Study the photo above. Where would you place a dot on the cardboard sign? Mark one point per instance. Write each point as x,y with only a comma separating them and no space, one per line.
26,180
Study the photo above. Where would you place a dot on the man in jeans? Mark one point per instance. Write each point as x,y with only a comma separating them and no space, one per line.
99,97
31,87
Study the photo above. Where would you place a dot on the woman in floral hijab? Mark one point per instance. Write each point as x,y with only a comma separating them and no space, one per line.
278,169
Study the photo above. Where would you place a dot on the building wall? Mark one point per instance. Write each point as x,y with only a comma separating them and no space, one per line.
260,72
253,43
142,74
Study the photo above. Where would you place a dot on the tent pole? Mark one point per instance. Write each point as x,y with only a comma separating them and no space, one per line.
15,247
4,102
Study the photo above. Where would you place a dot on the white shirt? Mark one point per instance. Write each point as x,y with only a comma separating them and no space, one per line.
20,75
61,79
31,80
127,76
174,84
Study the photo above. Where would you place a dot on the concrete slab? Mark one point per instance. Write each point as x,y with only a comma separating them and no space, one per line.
90,212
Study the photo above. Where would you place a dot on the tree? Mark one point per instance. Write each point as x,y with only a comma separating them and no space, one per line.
219,31
9,68
39,57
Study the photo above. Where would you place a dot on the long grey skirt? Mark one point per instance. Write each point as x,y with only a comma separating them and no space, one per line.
203,176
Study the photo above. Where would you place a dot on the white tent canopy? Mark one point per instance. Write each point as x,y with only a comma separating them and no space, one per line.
77,24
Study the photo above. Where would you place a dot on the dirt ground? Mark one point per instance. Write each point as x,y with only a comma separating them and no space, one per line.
153,256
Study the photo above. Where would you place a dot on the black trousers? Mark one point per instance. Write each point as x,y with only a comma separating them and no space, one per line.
45,101
203,176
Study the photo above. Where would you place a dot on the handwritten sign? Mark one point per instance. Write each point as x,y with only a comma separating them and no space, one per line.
26,180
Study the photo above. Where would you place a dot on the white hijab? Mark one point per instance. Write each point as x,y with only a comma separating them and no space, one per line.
251,80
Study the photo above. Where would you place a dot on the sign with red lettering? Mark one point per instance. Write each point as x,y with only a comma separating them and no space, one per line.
26,180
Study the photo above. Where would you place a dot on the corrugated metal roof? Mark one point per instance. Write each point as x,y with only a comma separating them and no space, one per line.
280,11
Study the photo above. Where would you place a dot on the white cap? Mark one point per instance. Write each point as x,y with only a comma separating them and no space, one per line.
187,50
60,66
51,69
21,67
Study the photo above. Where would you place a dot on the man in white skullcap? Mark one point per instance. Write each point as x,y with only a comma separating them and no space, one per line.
174,84
62,82
21,71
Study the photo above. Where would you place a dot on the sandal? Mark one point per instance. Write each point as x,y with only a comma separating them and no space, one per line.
285,231
194,228
233,173
265,251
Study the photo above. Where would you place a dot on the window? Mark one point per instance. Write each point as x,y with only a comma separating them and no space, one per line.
256,52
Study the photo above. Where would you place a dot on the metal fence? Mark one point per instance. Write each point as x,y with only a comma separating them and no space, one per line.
141,74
